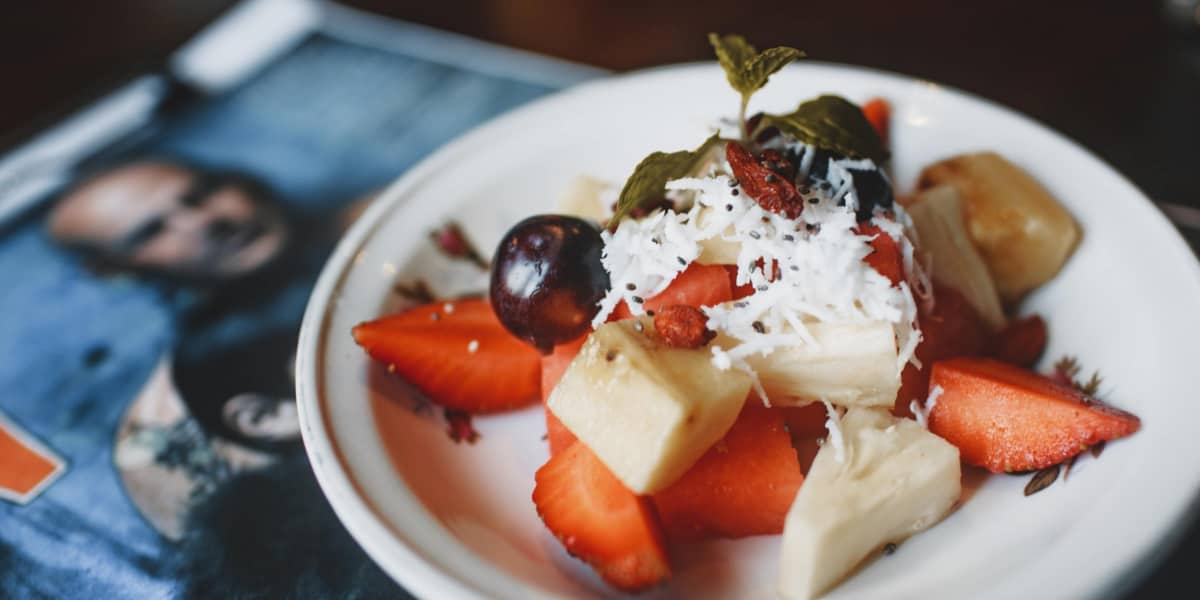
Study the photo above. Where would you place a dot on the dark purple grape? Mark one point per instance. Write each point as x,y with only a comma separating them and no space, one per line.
547,279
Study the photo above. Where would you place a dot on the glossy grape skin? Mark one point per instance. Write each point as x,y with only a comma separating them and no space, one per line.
547,279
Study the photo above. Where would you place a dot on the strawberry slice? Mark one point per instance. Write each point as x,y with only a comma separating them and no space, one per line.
879,113
698,285
1006,418
952,330
770,189
886,258
600,521
806,421
1021,343
457,353
553,367
744,485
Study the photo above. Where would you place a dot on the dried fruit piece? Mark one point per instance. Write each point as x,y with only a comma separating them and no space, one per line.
768,188
683,326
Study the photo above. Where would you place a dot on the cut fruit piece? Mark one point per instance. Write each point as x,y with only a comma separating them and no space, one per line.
457,353
742,486
1005,418
852,364
885,257
698,285
1021,343
897,480
553,367
716,250
599,521
879,113
942,234
558,437
584,198
952,330
804,421
648,411
1023,233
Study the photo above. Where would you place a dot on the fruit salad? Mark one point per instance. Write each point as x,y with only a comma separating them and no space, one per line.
760,336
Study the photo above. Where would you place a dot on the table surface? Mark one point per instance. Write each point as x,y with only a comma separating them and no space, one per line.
1119,77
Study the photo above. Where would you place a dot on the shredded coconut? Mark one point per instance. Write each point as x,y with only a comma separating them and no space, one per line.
833,424
803,270
922,412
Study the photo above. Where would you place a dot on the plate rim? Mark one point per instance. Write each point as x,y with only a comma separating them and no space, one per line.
421,576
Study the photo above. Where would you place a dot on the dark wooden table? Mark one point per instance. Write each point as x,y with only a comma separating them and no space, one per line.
1118,76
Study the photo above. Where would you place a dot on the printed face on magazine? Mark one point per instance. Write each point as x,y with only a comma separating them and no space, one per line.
172,220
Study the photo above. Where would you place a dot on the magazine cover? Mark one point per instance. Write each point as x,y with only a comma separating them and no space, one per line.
149,443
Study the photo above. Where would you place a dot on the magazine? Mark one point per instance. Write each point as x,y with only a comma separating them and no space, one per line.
164,242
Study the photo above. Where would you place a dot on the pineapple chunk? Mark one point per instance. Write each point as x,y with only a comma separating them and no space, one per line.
646,410
852,364
942,233
714,250
897,479
1024,234
584,198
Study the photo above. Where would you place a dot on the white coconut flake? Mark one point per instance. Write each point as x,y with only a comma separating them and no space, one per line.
803,270
921,413
833,424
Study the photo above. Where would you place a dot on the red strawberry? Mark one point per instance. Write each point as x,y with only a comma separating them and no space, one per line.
1006,418
698,285
739,291
952,330
744,485
553,367
879,113
804,421
600,521
886,257
1021,343
770,189
457,353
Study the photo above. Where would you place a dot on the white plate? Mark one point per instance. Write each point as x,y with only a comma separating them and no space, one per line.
451,521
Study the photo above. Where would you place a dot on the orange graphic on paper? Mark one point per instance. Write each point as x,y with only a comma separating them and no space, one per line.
26,466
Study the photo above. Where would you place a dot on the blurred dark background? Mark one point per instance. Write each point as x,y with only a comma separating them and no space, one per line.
1120,76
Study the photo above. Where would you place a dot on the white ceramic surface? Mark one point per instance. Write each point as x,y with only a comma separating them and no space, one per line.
456,521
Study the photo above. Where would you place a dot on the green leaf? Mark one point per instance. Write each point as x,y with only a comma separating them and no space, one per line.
650,177
746,68
831,123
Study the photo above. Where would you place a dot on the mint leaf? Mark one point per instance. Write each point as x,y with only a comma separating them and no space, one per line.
831,123
650,177
746,68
